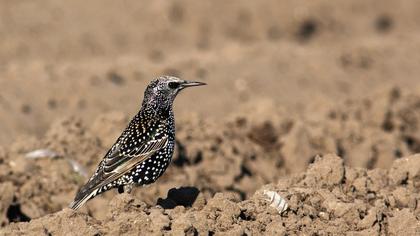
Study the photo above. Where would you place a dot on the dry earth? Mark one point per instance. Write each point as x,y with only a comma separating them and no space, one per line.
218,167
290,83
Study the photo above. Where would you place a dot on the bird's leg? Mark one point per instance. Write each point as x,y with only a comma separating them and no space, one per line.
128,188
120,189
125,188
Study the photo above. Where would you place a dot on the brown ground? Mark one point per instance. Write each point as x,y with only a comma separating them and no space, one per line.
288,80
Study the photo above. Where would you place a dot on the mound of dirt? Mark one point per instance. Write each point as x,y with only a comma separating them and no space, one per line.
328,198
235,156
219,168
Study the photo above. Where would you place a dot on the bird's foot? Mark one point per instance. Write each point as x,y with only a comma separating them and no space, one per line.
128,188
125,188
120,189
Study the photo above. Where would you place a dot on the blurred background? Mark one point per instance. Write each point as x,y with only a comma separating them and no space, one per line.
88,58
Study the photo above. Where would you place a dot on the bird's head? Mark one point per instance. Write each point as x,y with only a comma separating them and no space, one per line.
161,92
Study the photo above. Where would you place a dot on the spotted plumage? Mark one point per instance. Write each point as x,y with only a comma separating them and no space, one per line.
144,150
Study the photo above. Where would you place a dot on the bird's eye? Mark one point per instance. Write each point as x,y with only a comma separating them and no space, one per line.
173,85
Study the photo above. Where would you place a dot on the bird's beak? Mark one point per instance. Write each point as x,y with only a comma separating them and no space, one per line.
192,83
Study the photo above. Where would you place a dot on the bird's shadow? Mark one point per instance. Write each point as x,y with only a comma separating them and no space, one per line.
183,196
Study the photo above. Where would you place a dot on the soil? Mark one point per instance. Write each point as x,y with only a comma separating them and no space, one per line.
317,101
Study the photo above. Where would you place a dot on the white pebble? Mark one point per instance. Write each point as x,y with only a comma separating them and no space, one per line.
276,201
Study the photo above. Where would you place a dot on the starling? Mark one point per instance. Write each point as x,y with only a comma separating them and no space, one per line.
144,150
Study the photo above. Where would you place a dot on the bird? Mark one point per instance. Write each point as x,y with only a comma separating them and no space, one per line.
143,151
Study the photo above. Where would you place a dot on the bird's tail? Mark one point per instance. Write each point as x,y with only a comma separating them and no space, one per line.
82,197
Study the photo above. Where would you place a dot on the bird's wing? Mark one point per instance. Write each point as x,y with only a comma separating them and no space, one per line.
116,163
